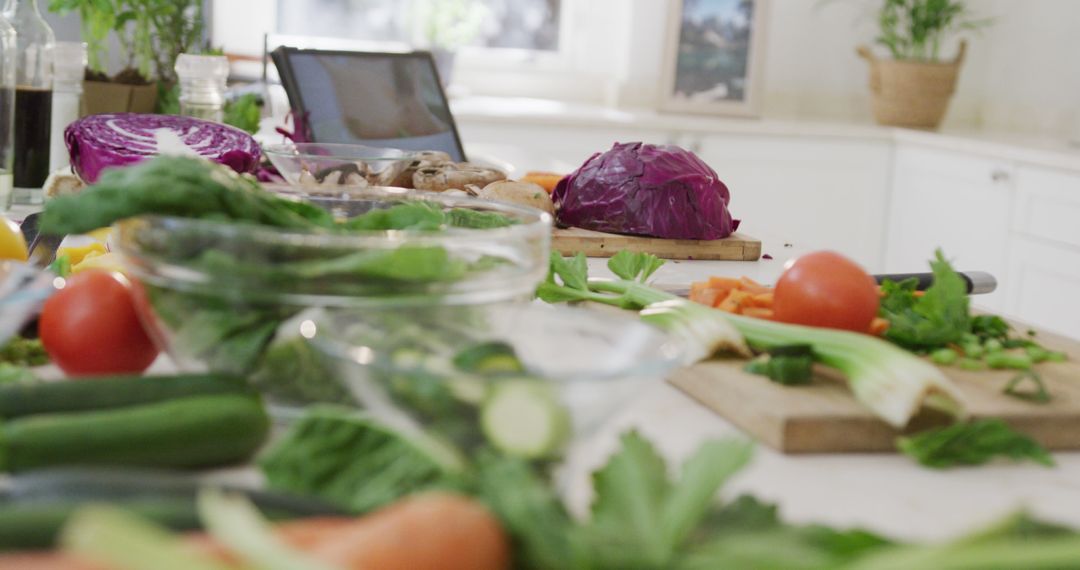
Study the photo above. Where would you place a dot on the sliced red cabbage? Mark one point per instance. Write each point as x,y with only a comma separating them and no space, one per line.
97,142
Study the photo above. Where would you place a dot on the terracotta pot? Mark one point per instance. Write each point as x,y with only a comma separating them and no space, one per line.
910,93
106,97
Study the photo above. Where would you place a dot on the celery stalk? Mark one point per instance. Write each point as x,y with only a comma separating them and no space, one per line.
890,381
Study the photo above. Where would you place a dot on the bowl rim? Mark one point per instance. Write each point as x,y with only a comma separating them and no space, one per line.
670,354
539,221
294,150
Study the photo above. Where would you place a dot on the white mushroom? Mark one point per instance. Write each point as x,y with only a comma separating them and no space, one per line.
521,193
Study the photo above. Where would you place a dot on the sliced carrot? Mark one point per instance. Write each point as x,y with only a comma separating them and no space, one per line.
762,300
706,296
758,312
724,283
734,301
748,284
878,326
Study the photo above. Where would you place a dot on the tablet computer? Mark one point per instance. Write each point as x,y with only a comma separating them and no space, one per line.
371,98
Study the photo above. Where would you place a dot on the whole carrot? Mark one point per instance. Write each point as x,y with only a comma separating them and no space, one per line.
433,531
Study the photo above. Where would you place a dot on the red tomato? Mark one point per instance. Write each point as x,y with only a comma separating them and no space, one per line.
826,289
90,327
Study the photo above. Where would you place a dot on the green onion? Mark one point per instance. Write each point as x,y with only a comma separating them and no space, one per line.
1013,360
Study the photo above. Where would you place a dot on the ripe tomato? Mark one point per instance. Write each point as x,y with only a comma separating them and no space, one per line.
826,289
90,327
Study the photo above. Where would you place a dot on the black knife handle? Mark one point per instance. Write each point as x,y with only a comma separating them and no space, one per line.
976,282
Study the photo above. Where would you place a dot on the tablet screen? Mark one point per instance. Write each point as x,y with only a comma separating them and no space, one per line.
374,99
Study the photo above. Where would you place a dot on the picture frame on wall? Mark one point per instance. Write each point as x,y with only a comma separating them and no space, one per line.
713,61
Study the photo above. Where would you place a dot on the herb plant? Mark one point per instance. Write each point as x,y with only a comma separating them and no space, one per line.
915,29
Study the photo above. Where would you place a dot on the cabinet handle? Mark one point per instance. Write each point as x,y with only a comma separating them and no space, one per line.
999,175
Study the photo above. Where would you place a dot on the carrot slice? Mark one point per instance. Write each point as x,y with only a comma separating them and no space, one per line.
762,300
724,283
878,326
758,313
748,284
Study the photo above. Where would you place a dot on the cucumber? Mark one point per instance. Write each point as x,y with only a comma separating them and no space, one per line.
489,358
523,417
198,431
36,526
20,400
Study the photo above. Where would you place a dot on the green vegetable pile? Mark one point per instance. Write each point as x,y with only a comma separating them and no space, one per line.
940,324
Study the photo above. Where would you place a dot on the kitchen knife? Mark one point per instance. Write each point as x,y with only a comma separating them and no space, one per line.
976,282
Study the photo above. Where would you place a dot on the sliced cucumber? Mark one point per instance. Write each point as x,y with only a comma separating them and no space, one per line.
523,417
489,358
469,389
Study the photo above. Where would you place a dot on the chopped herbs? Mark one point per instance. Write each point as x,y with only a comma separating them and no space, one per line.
972,443
790,365
21,351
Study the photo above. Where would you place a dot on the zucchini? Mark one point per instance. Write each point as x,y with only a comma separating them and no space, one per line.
36,526
86,394
198,431
523,417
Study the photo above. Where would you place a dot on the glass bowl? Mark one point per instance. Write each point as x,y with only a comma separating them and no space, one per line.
329,164
525,377
217,296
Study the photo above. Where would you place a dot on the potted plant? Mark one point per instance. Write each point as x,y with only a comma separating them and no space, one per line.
913,88
448,25
151,34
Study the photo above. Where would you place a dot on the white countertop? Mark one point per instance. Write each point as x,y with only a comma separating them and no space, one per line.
1033,149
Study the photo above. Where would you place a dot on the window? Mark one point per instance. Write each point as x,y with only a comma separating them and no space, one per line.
531,25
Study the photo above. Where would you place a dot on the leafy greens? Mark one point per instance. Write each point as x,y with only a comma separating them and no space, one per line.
972,443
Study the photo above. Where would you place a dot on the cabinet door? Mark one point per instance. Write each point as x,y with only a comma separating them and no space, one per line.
1044,279
816,193
959,203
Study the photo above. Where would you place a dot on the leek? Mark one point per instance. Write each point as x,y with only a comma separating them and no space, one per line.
892,382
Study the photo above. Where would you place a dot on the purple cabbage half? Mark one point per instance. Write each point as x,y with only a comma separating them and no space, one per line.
649,190
97,142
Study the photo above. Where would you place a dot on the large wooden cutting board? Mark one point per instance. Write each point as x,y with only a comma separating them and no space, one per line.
736,247
824,417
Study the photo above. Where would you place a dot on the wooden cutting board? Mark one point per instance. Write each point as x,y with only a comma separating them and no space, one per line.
823,417
736,247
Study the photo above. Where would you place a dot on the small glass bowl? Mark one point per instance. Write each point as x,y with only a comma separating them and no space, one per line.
328,164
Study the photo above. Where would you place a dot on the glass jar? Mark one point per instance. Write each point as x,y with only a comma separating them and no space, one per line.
202,85
7,111
68,71
33,98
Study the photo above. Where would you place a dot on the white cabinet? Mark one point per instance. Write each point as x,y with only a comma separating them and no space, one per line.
816,193
957,202
1044,260
1044,280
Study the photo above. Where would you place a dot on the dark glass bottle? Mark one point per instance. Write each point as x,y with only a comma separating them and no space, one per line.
34,42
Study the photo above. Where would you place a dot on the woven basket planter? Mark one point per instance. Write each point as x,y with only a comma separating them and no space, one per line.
909,93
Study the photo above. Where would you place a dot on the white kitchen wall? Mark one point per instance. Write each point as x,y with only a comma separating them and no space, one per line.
1022,74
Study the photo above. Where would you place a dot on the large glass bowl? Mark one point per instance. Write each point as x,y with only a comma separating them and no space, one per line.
442,368
330,164
225,296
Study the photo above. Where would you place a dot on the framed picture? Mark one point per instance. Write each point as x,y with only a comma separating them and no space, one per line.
714,57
